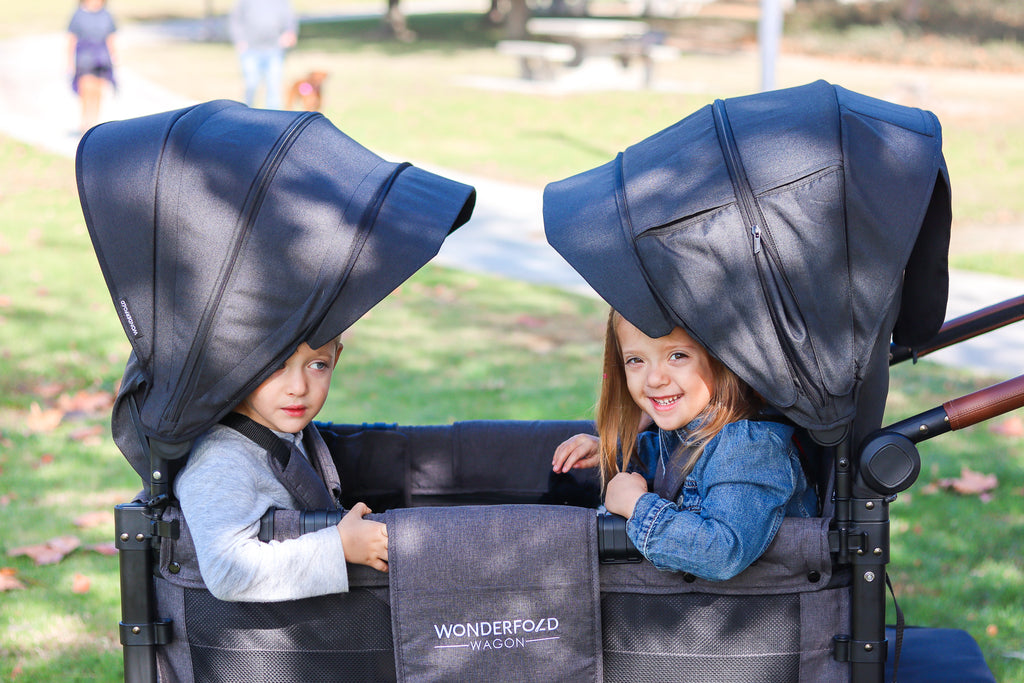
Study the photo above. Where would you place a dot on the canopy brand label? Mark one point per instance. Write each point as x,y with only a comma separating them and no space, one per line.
129,319
501,634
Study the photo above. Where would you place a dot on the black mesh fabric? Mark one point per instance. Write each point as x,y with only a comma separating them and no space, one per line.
700,637
343,637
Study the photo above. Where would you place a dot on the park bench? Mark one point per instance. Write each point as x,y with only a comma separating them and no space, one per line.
538,60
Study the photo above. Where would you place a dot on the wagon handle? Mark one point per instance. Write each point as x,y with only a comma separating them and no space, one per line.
965,411
986,403
965,327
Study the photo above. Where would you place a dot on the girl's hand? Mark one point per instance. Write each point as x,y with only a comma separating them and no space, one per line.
582,450
364,541
624,490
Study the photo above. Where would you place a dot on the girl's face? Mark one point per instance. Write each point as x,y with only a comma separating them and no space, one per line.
670,378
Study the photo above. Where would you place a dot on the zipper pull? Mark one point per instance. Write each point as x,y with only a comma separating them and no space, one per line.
756,232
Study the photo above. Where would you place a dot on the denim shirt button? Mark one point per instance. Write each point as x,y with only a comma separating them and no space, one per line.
814,576
688,577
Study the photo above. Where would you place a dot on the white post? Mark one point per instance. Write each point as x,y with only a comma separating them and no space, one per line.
769,35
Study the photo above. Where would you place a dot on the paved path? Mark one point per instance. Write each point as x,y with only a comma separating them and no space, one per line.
505,236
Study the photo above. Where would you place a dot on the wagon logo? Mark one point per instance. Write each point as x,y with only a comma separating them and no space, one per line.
129,320
501,634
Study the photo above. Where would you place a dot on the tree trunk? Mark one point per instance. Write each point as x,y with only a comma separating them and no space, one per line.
394,24
518,14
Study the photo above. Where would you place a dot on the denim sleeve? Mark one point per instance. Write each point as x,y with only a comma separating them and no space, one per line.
744,479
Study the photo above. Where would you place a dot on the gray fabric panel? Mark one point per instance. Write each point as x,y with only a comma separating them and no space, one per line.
343,636
178,563
701,637
823,615
174,661
488,592
797,561
492,456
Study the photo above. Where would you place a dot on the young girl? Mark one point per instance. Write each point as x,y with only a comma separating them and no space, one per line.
716,481
91,54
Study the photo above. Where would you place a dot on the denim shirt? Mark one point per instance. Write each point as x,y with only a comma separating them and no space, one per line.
732,503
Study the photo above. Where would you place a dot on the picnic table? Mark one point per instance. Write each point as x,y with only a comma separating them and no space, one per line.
591,37
573,42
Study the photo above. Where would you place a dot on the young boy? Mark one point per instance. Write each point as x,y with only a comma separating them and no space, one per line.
228,484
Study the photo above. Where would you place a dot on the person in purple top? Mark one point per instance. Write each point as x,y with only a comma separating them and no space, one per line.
91,56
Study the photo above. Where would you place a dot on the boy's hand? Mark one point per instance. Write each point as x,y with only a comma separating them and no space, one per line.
582,450
624,490
364,541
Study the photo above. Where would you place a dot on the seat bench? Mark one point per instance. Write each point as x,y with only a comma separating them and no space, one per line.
538,59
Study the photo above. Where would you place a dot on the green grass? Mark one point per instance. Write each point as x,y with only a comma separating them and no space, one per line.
1006,263
958,561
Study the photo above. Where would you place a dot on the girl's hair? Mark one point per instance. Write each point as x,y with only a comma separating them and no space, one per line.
618,415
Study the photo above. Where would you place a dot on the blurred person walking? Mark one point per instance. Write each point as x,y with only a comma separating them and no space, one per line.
91,57
262,30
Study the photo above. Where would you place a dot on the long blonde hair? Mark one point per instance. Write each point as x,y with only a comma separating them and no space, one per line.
618,416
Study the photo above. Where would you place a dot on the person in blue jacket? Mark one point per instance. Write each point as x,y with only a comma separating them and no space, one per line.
706,491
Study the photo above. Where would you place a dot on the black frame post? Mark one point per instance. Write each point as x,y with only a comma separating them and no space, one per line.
138,606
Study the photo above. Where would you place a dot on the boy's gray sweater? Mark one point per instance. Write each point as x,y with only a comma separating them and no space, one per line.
224,490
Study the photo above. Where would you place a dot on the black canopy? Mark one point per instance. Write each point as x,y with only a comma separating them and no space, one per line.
781,230
228,235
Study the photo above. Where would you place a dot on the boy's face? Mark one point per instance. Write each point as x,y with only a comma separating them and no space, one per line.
289,399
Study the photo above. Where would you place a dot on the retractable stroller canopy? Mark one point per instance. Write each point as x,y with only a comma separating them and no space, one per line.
780,230
228,235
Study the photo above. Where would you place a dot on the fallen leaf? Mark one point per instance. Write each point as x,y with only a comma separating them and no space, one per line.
9,581
44,459
40,420
529,321
80,583
92,519
87,435
48,390
1012,426
971,483
108,549
50,552
86,402
992,630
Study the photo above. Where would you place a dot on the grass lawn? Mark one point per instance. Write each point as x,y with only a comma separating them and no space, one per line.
448,345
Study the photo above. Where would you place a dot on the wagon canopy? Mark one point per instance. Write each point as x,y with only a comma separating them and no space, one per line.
228,235
781,230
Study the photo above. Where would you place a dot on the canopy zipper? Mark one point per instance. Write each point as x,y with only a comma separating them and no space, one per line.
254,201
761,237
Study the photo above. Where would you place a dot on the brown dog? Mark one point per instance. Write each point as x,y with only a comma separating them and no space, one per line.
306,92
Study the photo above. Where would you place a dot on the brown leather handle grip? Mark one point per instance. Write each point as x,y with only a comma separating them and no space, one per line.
985,403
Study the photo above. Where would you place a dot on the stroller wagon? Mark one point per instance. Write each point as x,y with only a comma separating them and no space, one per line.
499,567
